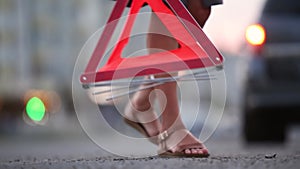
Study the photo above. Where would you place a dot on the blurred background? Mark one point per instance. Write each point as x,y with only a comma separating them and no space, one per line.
41,39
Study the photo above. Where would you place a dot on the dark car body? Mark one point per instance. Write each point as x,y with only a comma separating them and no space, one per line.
271,97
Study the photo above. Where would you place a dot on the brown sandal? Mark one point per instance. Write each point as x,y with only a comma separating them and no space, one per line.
169,140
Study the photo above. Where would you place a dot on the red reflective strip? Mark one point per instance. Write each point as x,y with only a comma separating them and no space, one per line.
106,35
162,62
195,29
187,32
124,38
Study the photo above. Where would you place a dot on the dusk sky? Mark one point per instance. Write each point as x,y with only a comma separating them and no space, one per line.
227,23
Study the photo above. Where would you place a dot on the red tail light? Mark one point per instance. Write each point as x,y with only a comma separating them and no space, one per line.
256,35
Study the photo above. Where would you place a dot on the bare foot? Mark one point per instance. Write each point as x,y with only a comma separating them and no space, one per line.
181,143
146,118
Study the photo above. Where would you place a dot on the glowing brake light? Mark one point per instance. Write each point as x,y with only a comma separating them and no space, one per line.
256,34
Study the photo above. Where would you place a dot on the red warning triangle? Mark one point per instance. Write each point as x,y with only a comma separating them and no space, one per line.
195,51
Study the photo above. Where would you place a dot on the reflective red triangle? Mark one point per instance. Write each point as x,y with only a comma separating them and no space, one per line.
196,50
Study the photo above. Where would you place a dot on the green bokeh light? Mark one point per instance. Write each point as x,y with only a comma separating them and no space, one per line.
35,109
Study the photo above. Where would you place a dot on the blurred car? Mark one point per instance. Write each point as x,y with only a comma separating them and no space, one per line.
271,96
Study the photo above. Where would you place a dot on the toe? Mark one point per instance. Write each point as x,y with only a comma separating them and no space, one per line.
199,151
187,151
194,151
205,151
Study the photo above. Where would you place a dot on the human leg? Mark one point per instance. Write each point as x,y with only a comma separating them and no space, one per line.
170,118
140,103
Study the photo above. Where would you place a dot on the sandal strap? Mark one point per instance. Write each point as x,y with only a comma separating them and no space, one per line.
165,135
162,139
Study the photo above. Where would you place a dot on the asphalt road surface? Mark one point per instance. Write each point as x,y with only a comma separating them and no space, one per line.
83,154
74,150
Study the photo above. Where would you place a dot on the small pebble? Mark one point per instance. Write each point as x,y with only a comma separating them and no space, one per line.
270,156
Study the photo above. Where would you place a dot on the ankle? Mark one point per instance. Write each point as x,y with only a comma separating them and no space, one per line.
173,126
140,105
